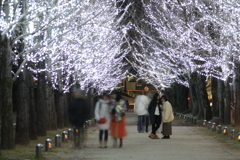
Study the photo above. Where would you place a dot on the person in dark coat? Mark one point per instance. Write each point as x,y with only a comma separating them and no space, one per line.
155,114
78,115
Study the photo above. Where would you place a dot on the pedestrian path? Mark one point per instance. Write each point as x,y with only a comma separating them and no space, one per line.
185,144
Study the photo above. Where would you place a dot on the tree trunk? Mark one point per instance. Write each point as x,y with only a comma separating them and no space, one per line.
193,94
7,136
181,96
53,110
91,103
32,113
215,97
1,68
66,104
227,102
203,99
41,104
52,120
59,103
237,96
221,100
22,128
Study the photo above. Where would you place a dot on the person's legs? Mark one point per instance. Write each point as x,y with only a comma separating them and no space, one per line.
157,121
143,123
121,143
147,122
76,137
105,138
100,138
152,135
156,125
139,124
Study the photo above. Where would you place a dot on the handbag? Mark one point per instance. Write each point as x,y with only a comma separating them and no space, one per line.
102,120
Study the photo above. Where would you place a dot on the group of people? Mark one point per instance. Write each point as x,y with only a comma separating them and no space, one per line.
110,113
158,110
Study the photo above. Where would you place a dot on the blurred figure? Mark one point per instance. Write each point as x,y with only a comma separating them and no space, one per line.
167,118
140,108
78,115
155,115
102,117
117,126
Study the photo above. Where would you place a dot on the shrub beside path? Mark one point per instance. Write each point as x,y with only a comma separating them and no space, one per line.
186,143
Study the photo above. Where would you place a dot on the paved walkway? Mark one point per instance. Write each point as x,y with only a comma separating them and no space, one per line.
185,144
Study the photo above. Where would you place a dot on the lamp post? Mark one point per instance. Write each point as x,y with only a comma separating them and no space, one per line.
39,150
48,145
225,130
238,136
219,129
57,140
233,132
64,136
213,126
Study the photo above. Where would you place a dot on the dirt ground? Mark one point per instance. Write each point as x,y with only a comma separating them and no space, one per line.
188,142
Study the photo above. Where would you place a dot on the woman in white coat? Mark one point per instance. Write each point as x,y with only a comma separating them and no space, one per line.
102,117
167,118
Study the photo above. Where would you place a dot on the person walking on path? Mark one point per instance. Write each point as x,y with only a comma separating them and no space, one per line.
167,118
78,114
117,125
155,115
102,117
140,108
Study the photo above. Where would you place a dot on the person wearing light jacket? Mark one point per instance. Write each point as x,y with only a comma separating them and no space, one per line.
167,118
102,111
140,108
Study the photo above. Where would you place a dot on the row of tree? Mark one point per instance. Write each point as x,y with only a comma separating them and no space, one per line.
95,44
46,48
187,42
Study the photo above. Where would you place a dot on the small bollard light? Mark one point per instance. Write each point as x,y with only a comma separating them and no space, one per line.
70,134
205,123
213,126
48,145
219,129
238,136
64,136
225,130
233,132
39,150
57,140
209,125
